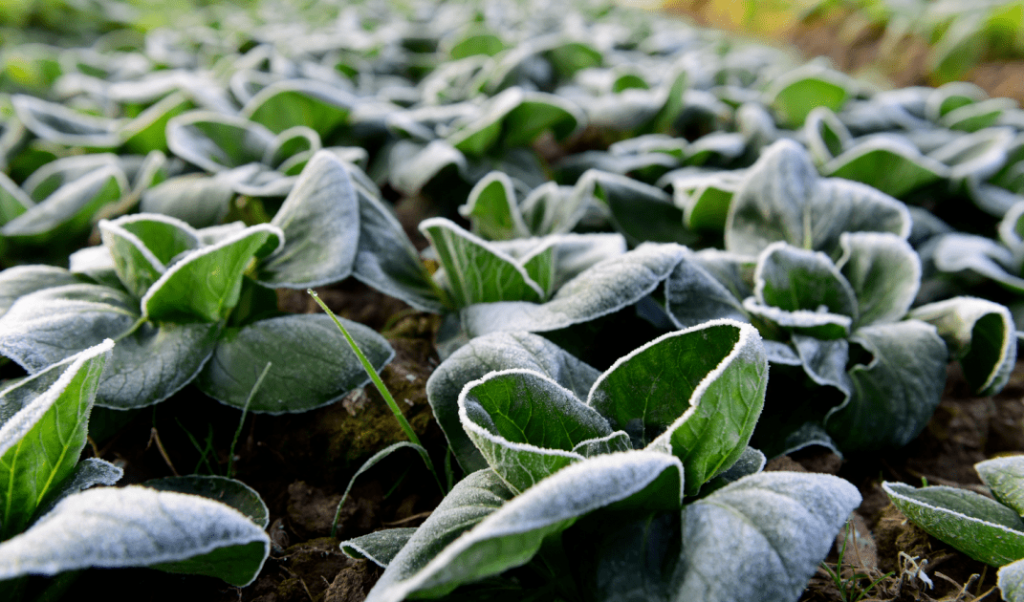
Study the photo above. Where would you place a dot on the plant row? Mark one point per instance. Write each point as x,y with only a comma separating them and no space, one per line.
635,221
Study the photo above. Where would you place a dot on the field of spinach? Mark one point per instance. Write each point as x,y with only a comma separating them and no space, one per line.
629,310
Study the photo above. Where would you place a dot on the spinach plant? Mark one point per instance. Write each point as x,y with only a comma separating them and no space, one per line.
190,305
645,490
52,520
987,530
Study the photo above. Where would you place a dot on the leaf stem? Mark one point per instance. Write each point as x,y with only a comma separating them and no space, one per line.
377,382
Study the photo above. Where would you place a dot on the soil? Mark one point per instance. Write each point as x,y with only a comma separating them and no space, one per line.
301,464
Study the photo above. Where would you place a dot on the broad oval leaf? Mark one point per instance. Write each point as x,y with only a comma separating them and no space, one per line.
138,526
20,280
387,260
320,221
512,531
978,526
795,279
605,288
884,272
1011,581
477,272
312,365
205,284
492,208
225,490
794,94
69,211
762,537
196,199
490,353
59,124
1005,477
896,393
379,547
782,198
526,425
286,104
980,334
892,168
47,326
217,142
696,393
40,442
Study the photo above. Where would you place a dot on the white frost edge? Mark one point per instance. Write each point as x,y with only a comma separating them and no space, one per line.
25,418
203,251
548,487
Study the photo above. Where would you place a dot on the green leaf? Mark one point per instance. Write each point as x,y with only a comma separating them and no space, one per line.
820,324
293,102
454,546
1011,581
196,199
136,527
824,360
141,247
147,131
217,142
413,165
90,472
379,547
494,352
639,211
827,136
234,493
69,211
794,279
475,271
47,326
631,557
895,394
492,209
64,126
604,288
895,169
972,523
41,441
782,199
473,499
957,252
205,284
21,280
166,238
312,365
320,221
695,393
526,425
693,295
980,334
762,537
1005,477
387,260
796,93
538,113
155,361
151,361
884,272
13,200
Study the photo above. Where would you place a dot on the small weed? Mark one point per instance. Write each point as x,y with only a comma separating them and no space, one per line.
849,587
